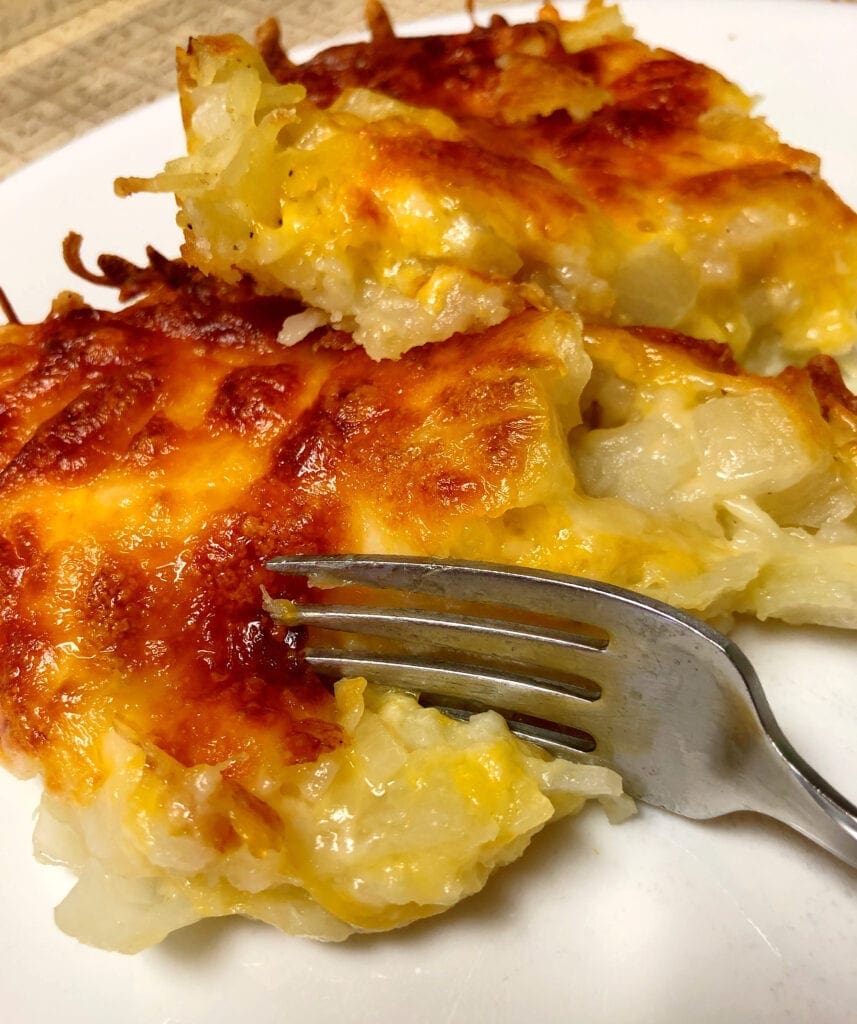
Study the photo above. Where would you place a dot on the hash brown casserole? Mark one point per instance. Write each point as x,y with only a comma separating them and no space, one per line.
560,226
154,458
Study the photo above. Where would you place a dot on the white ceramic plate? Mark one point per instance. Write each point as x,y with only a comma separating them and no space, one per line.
660,920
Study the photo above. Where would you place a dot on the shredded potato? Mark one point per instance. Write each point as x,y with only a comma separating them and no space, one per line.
325,854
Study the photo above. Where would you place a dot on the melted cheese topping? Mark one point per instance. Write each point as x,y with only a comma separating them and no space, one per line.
412,188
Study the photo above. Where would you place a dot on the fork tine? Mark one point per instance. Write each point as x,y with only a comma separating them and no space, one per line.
505,692
531,590
506,642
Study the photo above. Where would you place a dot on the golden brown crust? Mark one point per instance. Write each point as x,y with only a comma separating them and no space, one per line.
655,130
459,178
711,354
456,73
153,459
189,661
830,391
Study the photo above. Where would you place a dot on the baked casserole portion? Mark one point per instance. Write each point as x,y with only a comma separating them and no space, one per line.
154,458
410,188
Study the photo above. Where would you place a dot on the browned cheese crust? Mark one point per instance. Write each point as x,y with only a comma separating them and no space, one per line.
649,130
151,460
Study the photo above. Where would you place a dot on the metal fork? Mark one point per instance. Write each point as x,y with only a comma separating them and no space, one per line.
668,702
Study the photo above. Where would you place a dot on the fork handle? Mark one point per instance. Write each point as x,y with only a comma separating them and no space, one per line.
809,804
784,785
